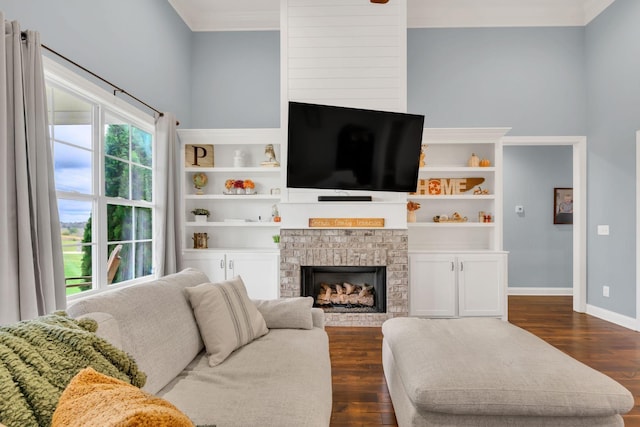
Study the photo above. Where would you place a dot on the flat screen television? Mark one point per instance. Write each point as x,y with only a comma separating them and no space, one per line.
344,148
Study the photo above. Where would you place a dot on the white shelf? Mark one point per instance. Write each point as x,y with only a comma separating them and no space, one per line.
451,224
230,197
451,197
256,224
247,170
456,169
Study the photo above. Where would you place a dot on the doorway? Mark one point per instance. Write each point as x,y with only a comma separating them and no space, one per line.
579,162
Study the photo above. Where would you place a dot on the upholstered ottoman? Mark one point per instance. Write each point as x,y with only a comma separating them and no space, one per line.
486,372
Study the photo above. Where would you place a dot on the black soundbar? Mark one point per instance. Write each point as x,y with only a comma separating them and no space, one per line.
344,198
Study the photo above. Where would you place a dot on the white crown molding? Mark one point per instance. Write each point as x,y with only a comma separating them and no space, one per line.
502,13
593,8
229,15
253,15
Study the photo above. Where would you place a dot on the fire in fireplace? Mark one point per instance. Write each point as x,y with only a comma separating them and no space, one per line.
345,289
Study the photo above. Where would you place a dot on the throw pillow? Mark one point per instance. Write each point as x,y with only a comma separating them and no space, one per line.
287,313
226,317
95,399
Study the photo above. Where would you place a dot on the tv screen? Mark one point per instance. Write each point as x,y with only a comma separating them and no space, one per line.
344,148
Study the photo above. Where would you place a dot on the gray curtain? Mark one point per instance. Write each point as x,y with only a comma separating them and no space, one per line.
168,217
31,264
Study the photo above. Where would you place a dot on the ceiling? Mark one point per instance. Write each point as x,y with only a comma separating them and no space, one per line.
251,15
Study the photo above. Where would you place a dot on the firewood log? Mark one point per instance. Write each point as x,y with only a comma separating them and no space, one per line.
335,299
366,300
339,289
353,299
366,290
349,288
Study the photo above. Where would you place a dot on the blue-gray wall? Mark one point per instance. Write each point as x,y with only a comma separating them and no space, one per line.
529,79
613,86
236,79
540,252
142,46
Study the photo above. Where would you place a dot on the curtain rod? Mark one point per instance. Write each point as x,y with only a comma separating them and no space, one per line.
116,88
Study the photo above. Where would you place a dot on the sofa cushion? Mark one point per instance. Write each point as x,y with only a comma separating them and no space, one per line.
95,399
107,327
280,379
226,317
286,313
489,367
156,323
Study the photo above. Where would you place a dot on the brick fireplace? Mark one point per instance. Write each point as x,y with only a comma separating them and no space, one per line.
348,248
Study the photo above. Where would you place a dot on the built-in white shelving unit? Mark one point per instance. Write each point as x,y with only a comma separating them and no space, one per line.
236,221
458,269
240,226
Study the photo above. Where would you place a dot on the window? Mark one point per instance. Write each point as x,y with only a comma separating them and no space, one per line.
103,168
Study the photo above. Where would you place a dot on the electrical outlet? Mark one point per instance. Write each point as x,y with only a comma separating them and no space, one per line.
605,291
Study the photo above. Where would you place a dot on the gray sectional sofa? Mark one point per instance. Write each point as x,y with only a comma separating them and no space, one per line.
280,379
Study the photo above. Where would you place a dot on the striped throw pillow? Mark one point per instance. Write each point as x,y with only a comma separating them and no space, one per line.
226,317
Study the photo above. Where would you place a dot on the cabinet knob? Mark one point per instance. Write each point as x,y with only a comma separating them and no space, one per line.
461,266
231,264
453,266
222,264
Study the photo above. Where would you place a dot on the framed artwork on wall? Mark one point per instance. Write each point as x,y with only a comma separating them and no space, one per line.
563,205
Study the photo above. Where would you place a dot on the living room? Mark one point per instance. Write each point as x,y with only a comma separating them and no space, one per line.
545,81
535,80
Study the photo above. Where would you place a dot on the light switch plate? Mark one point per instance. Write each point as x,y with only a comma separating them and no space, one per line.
603,230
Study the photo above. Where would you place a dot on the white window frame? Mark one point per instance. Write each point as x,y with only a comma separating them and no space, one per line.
107,103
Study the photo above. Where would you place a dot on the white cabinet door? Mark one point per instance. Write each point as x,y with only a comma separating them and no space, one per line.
481,281
212,264
432,285
260,273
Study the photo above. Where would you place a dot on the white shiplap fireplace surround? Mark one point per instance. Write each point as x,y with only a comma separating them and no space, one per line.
349,53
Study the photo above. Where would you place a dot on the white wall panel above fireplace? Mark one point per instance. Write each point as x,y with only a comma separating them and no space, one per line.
344,52
349,53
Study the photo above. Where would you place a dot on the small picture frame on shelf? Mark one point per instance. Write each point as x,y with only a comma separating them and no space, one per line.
563,205
198,155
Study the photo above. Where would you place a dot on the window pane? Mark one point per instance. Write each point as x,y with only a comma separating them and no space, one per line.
119,223
144,226
141,146
70,118
141,183
74,260
144,259
124,267
116,140
116,174
74,134
77,241
72,168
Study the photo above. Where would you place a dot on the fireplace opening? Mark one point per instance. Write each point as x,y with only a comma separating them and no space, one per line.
346,289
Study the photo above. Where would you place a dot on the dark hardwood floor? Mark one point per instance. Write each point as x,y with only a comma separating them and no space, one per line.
360,396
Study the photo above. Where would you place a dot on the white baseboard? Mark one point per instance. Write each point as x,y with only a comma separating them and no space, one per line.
513,290
610,316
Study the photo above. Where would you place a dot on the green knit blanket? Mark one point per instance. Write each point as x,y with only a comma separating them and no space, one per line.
39,357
